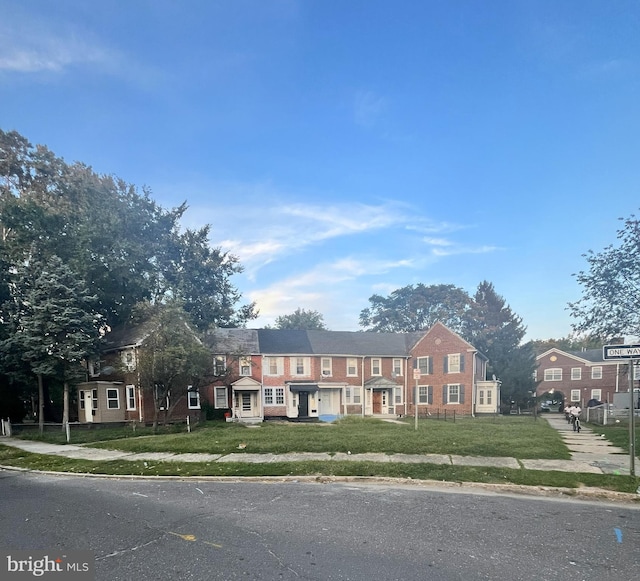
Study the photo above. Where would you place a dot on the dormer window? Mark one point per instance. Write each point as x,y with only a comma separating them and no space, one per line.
245,366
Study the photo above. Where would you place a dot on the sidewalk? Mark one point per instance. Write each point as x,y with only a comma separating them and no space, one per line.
589,453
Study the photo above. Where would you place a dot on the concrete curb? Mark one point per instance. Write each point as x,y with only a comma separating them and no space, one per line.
559,493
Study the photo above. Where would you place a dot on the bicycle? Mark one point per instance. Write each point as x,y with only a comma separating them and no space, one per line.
575,420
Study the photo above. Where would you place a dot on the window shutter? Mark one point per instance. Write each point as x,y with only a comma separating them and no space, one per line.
461,362
430,394
446,364
430,365
461,393
444,394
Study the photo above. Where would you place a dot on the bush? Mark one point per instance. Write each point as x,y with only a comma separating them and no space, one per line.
211,413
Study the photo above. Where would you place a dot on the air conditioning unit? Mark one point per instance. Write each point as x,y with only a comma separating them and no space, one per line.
326,373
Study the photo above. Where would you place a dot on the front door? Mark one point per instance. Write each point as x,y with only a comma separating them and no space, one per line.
87,406
377,402
244,404
303,404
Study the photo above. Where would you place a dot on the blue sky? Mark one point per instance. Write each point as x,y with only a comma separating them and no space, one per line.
344,148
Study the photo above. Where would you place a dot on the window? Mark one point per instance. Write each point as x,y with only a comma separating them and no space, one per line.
453,363
596,394
636,372
489,396
398,394
397,367
220,398
326,366
352,395
299,366
245,366
425,365
274,395
274,366
131,397
113,399
453,393
376,368
576,373
481,397
94,368
575,395
352,367
425,394
596,372
94,399
553,374
219,365
193,398
128,360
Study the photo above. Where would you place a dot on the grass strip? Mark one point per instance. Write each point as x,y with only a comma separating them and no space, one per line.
618,483
503,436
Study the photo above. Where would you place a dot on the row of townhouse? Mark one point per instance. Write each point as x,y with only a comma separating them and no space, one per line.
583,376
299,375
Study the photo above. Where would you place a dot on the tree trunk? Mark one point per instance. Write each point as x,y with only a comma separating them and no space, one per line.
40,404
155,415
65,406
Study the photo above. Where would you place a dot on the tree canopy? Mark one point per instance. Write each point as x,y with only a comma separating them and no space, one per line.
116,238
611,287
172,357
414,308
303,320
112,238
54,324
484,320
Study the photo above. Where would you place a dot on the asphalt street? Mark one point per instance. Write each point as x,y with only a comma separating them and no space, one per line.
154,530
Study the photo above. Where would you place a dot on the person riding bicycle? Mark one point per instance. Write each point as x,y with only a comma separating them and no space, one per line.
567,413
575,411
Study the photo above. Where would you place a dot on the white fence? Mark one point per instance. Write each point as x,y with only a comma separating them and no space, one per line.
6,427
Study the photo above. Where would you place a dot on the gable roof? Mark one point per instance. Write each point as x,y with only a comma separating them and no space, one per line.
300,342
586,356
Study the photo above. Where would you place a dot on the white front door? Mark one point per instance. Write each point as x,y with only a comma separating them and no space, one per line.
87,398
245,404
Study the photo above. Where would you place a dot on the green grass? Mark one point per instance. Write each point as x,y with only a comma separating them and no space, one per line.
618,434
18,458
502,436
87,434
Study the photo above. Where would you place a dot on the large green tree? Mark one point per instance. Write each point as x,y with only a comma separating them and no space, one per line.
112,236
414,308
172,357
54,325
495,330
302,319
611,287
115,237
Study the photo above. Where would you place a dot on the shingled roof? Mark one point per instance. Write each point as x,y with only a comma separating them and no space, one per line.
296,342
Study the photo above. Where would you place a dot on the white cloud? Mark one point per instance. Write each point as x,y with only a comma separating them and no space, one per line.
28,45
464,250
367,108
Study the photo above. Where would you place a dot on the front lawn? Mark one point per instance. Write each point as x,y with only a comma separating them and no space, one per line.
504,436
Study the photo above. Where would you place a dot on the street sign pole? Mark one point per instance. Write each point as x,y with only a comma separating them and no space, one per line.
416,376
628,353
632,423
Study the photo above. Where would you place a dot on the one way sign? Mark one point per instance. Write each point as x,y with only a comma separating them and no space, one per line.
621,351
